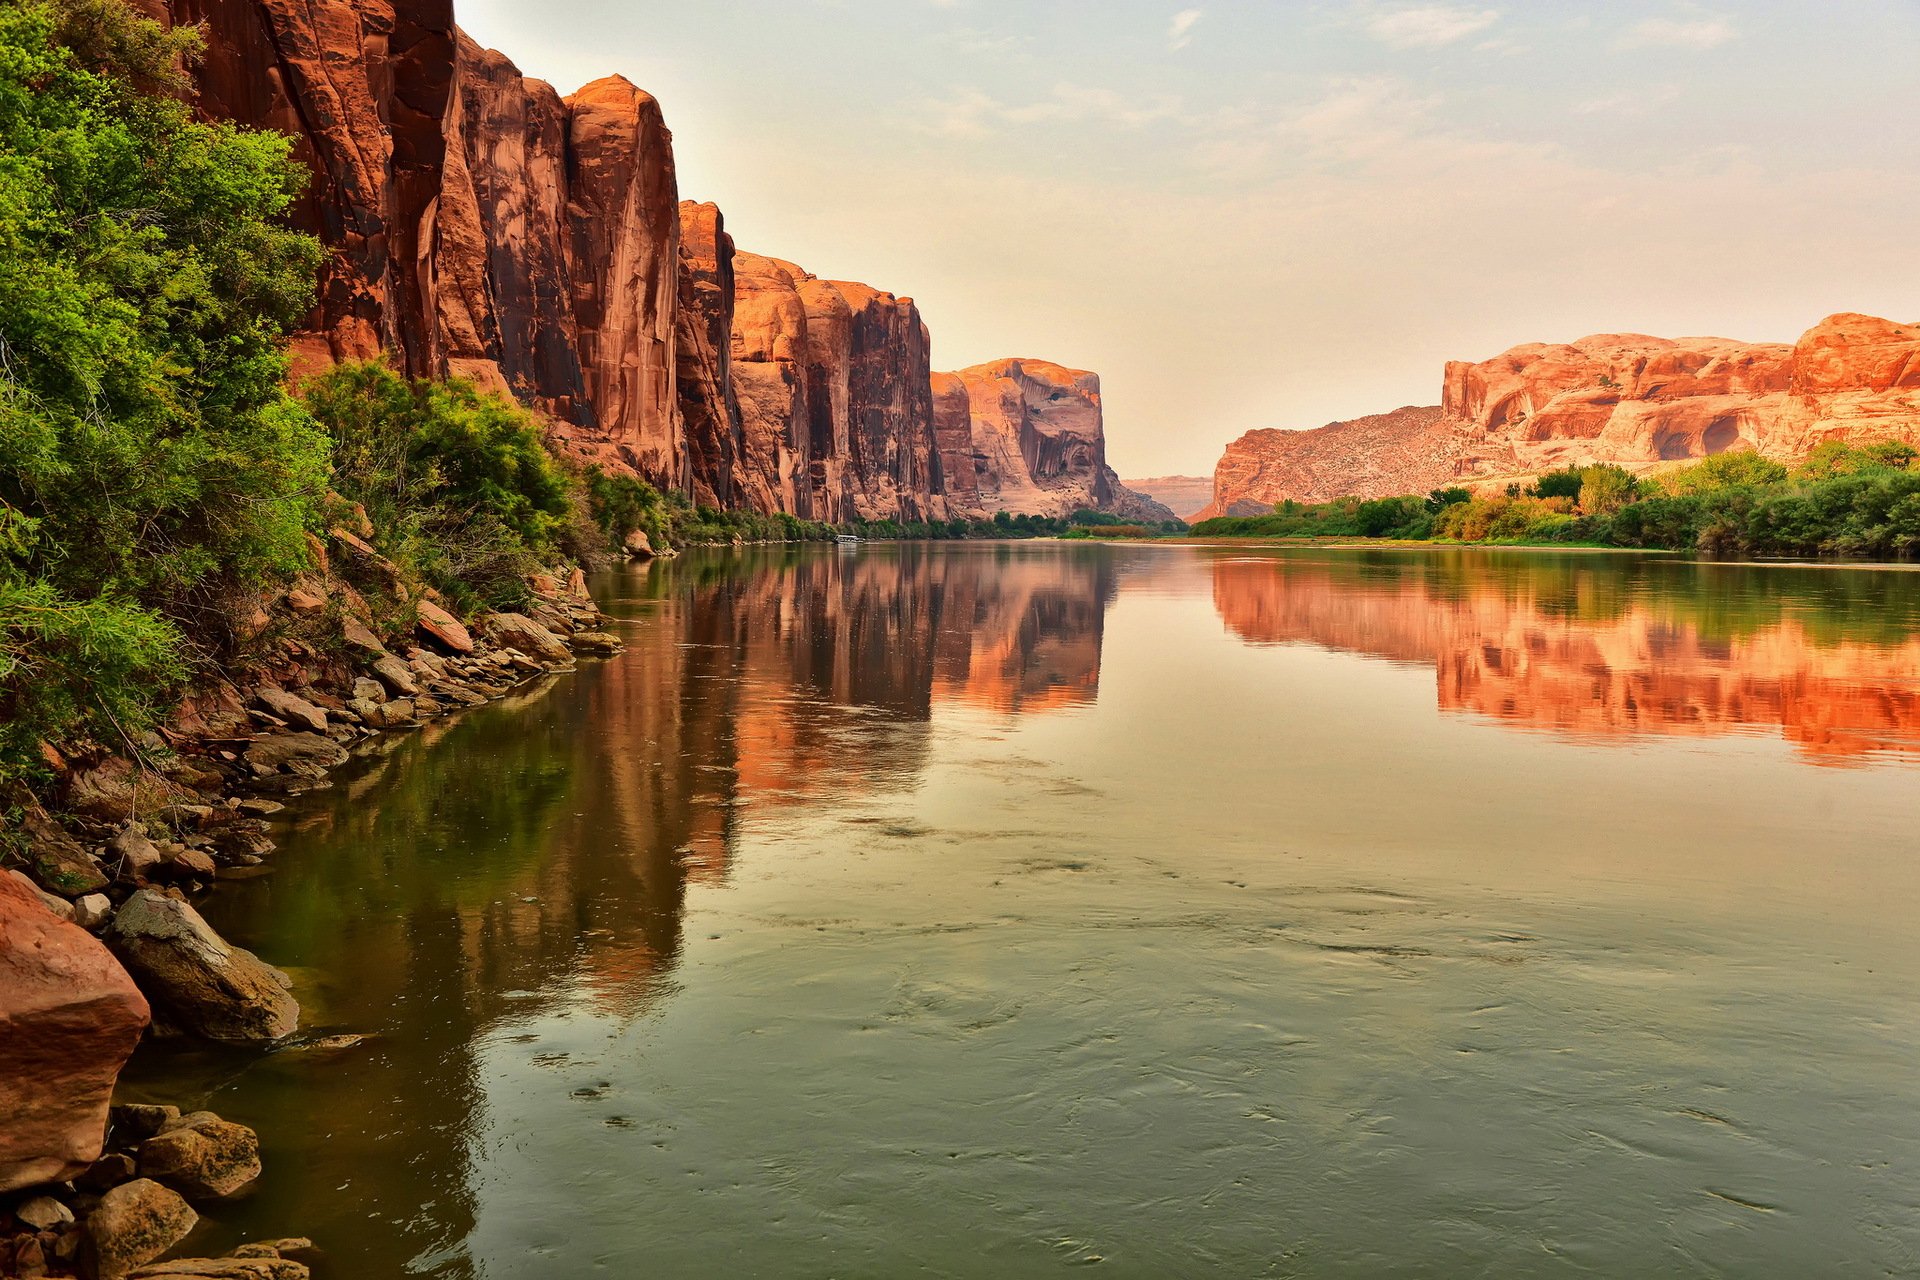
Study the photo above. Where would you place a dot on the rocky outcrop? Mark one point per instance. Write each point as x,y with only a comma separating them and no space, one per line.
69,1016
1039,441
1640,402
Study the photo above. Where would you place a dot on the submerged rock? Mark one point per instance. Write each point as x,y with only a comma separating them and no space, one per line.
203,983
69,1016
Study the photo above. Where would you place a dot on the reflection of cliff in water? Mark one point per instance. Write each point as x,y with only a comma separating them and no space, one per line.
463,883
1617,648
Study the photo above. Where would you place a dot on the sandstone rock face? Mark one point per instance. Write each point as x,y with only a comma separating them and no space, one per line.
722,473
1410,450
835,394
201,982
953,437
479,224
69,1017
1039,442
769,361
624,214
1640,402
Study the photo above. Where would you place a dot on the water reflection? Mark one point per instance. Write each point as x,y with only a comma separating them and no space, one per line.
971,897
1613,648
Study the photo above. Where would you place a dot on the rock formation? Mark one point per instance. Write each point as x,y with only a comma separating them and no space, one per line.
835,395
479,224
1640,402
1038,441
69,1016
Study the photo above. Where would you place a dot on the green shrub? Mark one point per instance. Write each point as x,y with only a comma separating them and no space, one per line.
459,485
152,468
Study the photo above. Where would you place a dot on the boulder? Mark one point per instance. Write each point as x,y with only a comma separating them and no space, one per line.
69,1016
396,676
306,755
134,1223
191,864
368,690
92,911
202,1156
517,631
360,636
204,984
443,628
131,855
44,1213
292,708
60,866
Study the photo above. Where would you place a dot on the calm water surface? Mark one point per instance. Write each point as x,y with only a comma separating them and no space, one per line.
995,910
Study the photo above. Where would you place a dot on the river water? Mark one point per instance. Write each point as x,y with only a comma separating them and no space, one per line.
991,910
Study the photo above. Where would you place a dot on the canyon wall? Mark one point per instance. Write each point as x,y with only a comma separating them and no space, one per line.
477,223
1639,402
1038,441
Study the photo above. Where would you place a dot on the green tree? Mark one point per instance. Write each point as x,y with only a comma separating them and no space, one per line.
151,466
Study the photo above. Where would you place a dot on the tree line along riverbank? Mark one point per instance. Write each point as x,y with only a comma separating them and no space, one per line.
1847,500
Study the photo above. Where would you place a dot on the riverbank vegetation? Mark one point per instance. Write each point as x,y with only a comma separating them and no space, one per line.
1843,500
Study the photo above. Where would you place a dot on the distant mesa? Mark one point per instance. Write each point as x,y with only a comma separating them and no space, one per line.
1643,403
1185,496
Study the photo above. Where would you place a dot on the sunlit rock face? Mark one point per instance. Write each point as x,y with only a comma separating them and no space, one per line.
479,224
1640,402
1507,645
1039,442
1410,450
834,381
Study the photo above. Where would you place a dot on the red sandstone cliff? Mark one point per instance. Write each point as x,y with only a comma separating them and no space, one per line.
1641,402
1039,443
479,224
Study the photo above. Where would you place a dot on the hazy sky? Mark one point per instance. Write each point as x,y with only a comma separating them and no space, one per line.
1275,215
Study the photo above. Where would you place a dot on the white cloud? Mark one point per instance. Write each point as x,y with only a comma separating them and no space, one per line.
974,114
1180,30
1429,26
1669,33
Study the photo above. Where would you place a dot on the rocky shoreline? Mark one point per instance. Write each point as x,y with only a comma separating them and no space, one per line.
104,946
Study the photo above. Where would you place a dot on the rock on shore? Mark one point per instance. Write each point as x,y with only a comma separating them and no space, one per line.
69,1018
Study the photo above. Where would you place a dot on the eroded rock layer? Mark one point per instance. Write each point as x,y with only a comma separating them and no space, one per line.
1039,442
1640,402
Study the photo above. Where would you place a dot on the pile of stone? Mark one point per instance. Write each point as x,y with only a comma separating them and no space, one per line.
135,1203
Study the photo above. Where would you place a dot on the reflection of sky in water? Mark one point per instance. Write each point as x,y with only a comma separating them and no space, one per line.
982,911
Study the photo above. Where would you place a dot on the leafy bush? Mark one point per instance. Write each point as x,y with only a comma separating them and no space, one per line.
151,465
461,490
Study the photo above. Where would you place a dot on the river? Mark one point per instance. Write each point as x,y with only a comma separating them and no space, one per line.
996,909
